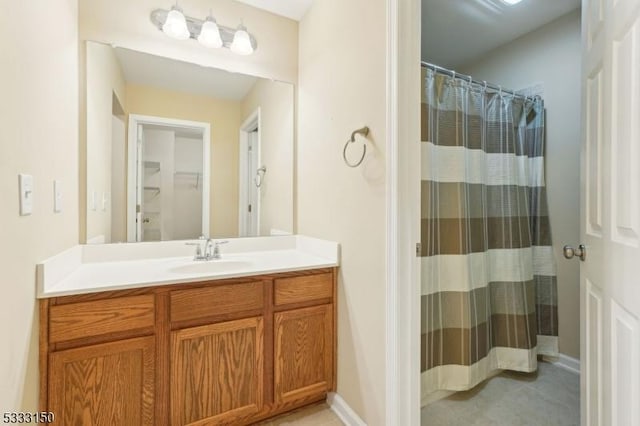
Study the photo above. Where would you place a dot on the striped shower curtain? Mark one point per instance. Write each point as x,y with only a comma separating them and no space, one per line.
489,293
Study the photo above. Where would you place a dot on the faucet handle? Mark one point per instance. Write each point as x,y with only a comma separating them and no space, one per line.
216,248
198,248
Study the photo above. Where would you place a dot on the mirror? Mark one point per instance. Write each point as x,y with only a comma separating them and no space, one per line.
176,150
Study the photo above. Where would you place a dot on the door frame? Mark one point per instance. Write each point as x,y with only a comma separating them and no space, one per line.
250,124
132,159
402,397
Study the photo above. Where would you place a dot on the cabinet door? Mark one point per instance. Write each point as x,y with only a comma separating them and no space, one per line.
303,353
107,384
217,372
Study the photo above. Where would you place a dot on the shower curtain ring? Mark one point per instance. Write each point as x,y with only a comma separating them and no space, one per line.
485,85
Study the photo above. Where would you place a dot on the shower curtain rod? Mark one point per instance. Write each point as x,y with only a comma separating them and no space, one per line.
491,86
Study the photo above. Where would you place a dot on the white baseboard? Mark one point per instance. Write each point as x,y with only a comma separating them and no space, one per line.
435,396
340,407
565,362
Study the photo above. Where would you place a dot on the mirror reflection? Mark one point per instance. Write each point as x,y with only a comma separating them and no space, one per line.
176,150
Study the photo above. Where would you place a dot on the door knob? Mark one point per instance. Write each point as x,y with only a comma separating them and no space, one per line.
570,252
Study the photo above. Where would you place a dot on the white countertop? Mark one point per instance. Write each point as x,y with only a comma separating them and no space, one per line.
95,268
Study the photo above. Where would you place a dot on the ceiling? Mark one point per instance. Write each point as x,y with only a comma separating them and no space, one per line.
149,70
455,32
292,9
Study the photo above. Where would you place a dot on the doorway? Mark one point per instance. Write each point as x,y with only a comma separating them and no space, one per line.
252,176
168,169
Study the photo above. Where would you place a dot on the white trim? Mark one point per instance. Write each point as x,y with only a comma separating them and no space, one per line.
340,407
134,121
393,379
252,122
565,362
402,372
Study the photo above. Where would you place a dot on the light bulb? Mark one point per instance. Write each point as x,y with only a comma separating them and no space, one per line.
241,42
210,34
511,2
176,24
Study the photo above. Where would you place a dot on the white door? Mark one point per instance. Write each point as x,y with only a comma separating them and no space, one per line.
610,227
253,180
140,184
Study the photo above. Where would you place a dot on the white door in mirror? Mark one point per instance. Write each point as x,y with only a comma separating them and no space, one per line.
25,183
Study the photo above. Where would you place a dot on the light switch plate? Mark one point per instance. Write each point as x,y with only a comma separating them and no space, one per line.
25,183
57,196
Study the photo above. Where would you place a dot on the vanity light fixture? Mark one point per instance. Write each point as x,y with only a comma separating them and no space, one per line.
208,32
175,24
241,44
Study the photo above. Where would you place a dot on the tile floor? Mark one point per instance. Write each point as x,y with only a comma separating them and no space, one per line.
551,396
315,415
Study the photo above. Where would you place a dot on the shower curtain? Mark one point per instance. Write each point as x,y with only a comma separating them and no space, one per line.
489,292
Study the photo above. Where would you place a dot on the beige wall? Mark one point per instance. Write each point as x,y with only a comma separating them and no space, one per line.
126,23
342,86
275,101
551,56
104,79
38,136
225,119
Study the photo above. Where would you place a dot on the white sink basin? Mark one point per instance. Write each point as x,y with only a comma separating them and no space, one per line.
212,266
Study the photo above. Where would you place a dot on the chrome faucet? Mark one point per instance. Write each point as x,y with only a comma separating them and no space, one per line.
216,249
210,251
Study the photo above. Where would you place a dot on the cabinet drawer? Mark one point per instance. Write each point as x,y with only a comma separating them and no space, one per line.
100,317
303,289
225,299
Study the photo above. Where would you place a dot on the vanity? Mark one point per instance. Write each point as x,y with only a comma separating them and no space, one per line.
180,141
230,341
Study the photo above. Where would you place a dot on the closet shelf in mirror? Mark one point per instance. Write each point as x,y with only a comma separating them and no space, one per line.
152,166
155,189
195,175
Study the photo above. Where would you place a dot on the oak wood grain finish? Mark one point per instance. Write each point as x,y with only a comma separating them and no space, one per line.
217,372
268,344
43,342
334,343
108,384
303,352
234,340
303,288
95,318
163,357
218,299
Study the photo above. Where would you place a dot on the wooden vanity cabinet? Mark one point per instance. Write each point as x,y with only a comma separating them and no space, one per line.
303,353
107,384
303,337
227,352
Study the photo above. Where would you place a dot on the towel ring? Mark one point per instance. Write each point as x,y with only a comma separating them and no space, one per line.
364,132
